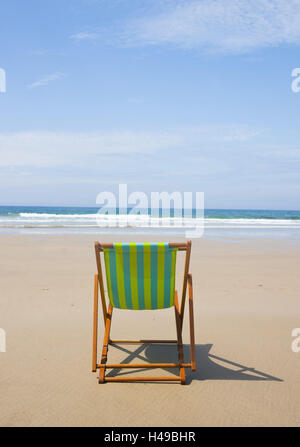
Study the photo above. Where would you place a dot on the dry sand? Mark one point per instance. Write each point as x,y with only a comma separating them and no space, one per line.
246,305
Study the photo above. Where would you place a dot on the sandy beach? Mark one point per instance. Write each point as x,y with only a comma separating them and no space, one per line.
246,305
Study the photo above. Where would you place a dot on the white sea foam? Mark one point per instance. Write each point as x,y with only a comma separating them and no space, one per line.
134,221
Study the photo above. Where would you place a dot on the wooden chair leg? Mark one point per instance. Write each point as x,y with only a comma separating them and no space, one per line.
105,344
179,341
192,331
95,324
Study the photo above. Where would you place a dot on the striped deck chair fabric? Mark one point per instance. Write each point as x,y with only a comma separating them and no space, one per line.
140,276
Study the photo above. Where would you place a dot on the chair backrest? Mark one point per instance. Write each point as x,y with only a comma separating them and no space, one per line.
139,276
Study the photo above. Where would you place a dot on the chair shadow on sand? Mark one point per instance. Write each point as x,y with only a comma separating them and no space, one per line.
209,366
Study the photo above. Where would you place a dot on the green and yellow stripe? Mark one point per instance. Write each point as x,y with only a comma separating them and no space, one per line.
140,276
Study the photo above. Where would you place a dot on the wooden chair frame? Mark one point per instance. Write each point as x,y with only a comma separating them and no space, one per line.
179,314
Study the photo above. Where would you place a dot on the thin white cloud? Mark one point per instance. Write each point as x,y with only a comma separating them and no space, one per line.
235,26
46,79
50,149
85,36
136,100
54,149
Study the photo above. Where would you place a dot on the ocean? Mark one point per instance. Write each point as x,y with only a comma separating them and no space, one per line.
44,219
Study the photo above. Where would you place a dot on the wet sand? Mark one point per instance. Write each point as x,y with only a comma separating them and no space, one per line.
246,305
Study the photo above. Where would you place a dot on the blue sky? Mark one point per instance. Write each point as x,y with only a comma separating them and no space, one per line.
163,95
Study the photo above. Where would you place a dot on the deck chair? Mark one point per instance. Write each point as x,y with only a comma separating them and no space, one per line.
142,277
